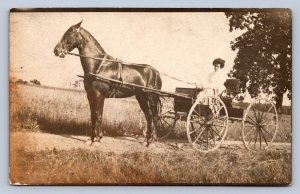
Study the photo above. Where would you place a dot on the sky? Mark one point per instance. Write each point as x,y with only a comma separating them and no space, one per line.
180,44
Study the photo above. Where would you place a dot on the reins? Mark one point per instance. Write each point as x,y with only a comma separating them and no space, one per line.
95,58
117,60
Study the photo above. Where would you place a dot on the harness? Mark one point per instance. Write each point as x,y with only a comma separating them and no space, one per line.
116,60
115,87
119,77
103,60
101,64
120,71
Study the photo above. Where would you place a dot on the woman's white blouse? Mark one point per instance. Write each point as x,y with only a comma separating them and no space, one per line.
216,80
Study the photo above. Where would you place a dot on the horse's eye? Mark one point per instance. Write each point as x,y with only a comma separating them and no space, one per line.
68,42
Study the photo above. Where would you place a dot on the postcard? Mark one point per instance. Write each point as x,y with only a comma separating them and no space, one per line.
150,96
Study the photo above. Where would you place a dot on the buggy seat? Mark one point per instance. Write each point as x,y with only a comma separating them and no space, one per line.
232,85
232,89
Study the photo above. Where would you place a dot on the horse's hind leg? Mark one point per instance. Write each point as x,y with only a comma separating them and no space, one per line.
143,102
153,102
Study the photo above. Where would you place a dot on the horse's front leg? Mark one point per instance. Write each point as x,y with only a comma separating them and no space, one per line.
99,117
92,104
96,102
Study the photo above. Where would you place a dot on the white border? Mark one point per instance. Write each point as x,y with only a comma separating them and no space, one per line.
4,77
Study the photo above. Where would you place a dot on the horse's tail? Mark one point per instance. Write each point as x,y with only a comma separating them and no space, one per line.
158,80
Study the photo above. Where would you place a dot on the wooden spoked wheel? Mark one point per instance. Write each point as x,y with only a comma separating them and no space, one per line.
207,123
166,118
260,124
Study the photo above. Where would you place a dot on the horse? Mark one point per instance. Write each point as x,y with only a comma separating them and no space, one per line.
139,74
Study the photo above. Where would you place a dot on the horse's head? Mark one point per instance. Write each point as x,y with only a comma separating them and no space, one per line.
69,41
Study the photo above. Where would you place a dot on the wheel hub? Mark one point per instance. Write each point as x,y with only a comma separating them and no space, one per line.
208,123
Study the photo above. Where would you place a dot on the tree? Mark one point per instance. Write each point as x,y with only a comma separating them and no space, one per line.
264,52
35,82
20,81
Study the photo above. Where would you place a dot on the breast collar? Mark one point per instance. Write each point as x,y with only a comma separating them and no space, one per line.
120,67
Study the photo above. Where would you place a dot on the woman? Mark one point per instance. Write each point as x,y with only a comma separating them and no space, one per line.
216,78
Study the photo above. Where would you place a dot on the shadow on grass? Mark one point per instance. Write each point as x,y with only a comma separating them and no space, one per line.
139,139
59,126
72,137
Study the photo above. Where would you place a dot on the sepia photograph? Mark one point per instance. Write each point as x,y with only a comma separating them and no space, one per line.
150,96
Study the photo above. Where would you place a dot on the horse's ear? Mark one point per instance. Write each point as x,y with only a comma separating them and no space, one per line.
77,26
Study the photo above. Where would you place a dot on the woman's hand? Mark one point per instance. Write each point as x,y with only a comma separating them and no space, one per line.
199,86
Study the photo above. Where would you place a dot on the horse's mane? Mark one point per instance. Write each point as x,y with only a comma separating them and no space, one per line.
90,37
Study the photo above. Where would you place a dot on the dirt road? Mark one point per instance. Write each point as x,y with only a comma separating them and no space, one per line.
41,141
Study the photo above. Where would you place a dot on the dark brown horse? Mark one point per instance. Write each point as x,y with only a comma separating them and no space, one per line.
97,91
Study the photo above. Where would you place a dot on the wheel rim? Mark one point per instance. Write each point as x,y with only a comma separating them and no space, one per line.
166,118
207,124
260,124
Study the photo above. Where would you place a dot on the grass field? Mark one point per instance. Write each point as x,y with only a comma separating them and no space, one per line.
57,111
86,167
65,111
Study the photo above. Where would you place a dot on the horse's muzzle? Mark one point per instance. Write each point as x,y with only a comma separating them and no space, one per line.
60,53
56,52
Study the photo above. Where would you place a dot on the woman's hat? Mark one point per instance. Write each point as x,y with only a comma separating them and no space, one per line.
219,61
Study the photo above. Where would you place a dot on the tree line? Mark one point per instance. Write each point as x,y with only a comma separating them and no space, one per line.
34,82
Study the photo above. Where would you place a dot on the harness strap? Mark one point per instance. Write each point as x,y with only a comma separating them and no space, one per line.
101,64
119,77
155,85
120,71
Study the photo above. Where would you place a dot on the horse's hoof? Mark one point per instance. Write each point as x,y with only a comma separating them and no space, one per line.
148,143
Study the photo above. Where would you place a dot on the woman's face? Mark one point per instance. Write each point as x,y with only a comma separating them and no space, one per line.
217,67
